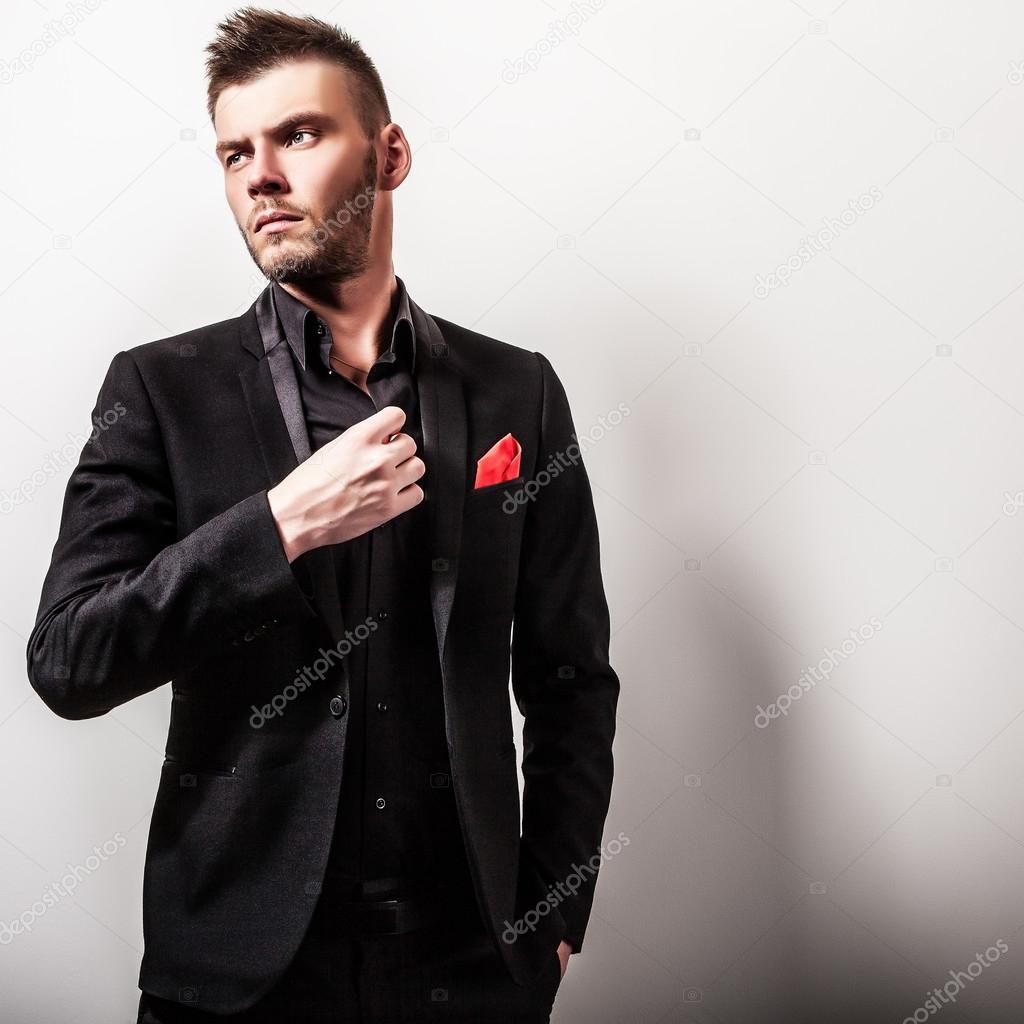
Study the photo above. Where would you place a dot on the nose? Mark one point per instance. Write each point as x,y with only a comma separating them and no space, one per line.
264,178
265,184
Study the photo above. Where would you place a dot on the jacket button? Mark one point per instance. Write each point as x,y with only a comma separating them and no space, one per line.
338,706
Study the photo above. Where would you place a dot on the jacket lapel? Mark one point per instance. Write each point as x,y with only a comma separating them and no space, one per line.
443,421
275,407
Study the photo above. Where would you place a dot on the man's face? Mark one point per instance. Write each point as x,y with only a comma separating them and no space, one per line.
319,169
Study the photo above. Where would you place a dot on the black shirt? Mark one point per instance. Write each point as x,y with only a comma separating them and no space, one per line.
397,825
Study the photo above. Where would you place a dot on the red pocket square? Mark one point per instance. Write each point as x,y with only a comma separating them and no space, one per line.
500,462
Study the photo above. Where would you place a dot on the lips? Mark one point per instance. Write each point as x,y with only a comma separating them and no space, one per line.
269,218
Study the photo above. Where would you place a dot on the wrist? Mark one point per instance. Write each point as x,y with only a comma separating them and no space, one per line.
289,525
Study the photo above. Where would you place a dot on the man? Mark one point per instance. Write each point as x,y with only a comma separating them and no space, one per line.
320,520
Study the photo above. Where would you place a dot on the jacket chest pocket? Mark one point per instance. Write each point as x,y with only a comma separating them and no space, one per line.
499,496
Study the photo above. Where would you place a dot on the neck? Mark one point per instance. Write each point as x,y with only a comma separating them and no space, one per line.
358,312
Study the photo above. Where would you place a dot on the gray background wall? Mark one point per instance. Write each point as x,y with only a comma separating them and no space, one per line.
799,460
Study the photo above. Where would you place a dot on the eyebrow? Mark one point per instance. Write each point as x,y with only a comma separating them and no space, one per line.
285,127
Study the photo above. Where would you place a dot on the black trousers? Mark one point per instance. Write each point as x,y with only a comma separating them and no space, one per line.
449,970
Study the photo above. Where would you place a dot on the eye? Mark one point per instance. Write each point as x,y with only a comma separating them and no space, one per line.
229,162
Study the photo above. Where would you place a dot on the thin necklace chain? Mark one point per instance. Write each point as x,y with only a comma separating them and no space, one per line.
331,355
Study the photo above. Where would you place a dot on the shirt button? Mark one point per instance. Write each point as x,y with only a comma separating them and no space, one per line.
338,706
382,614
380,803
382,705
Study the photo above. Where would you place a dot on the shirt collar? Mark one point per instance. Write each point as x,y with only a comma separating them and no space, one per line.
302,327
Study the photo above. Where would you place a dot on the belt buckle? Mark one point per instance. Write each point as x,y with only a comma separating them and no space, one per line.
386,913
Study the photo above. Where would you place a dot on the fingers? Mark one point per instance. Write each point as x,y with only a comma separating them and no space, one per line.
400,449
410,496
385,423
410,471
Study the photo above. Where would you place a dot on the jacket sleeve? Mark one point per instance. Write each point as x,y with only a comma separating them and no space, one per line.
561,678
126,604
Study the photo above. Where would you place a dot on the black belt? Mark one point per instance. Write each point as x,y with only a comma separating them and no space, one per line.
396,915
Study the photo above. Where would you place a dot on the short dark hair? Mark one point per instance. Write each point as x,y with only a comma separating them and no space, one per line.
252,41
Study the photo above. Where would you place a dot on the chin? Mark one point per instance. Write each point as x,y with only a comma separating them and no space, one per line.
291,266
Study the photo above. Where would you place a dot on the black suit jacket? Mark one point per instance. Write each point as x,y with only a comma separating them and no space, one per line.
168,567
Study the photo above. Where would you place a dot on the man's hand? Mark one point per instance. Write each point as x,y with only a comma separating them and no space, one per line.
564,949
362,478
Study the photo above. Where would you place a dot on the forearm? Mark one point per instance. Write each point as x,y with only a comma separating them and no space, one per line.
103,643
567,770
